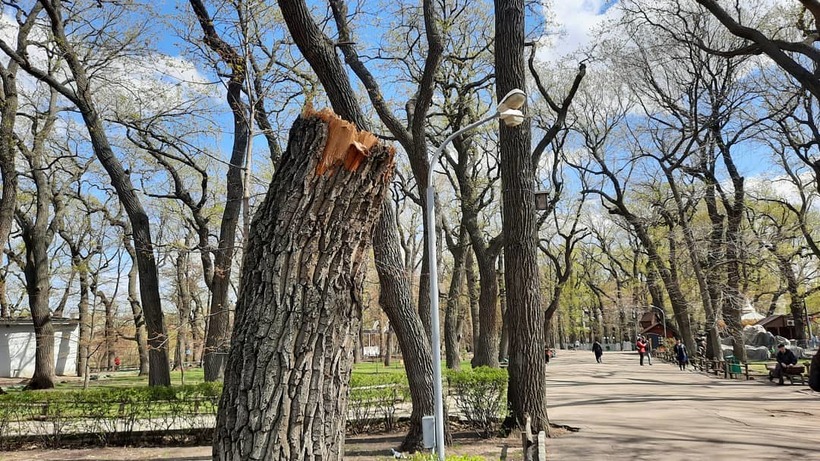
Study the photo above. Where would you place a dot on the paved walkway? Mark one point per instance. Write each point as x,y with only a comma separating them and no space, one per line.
658,412
625,411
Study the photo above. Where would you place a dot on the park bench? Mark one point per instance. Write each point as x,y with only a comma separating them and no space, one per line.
791,372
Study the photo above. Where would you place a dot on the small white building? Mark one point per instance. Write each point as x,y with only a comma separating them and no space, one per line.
17,347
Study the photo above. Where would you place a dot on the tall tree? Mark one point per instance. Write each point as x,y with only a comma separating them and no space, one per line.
81,94
318,49
527,387
300,301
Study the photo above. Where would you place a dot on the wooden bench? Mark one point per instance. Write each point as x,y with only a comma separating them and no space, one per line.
791,372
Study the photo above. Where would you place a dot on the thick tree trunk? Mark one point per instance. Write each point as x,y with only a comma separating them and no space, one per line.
453,308
109,333
37,287
486,354
387,356
734,214
527,386
286,381
715,270
396,300
139,319
184,307
474,293
504,342
85,324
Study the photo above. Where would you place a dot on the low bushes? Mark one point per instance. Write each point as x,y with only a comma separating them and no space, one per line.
109,414
374,399
481,396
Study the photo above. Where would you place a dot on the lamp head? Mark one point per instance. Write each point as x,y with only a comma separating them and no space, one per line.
515,99
511,117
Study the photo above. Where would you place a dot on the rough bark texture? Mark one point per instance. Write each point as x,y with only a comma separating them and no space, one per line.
474,293
286,384
136,308
735,212
527,385
396,300
37,286
452,313
85,325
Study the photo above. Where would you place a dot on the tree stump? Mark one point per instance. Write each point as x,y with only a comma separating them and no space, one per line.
299,305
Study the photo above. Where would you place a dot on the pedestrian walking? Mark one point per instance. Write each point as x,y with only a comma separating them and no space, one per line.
648,349
680,354
641,346
598,351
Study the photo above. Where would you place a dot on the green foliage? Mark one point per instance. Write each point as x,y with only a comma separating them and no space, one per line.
373,399
108,413
481,396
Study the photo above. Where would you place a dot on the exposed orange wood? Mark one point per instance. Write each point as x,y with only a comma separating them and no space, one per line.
345,144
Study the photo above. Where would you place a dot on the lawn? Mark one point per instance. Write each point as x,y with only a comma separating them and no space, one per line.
130,378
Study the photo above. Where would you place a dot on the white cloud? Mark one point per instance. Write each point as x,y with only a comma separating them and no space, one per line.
576,22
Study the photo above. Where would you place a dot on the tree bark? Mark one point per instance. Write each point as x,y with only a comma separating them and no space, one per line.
37,286
136,307
300,301
527,382
184,307
396,300
474,293
453,308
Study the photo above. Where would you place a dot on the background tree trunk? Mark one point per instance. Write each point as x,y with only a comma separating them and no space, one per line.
37,286
299,307
396,300
453,309
527,387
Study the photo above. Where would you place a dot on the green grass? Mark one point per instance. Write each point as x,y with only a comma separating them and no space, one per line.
112,379
118,379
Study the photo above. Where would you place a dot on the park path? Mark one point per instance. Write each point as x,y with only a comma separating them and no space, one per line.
626,411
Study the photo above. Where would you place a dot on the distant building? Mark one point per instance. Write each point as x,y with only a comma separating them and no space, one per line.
653,328
779,325
17,347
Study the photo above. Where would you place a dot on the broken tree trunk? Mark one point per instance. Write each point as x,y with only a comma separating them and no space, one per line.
297,315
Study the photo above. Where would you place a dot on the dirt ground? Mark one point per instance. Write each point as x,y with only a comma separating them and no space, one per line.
357,448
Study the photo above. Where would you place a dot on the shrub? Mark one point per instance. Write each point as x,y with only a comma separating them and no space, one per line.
373,398
480,395
108,413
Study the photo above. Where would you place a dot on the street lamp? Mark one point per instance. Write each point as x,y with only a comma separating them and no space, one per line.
509,112
663,316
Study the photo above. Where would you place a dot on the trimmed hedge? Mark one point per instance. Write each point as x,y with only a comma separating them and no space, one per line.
481,396
110,414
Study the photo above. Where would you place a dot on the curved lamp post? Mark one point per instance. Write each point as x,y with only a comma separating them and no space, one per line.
509,112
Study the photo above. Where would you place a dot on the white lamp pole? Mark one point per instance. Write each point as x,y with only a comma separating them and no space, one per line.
508,111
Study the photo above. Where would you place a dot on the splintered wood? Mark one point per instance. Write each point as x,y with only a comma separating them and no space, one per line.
345,144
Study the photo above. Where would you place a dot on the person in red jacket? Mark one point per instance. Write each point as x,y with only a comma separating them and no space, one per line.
641,346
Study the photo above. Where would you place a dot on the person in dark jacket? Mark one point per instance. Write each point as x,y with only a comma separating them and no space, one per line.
784,357
680,354
598,351
814,373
